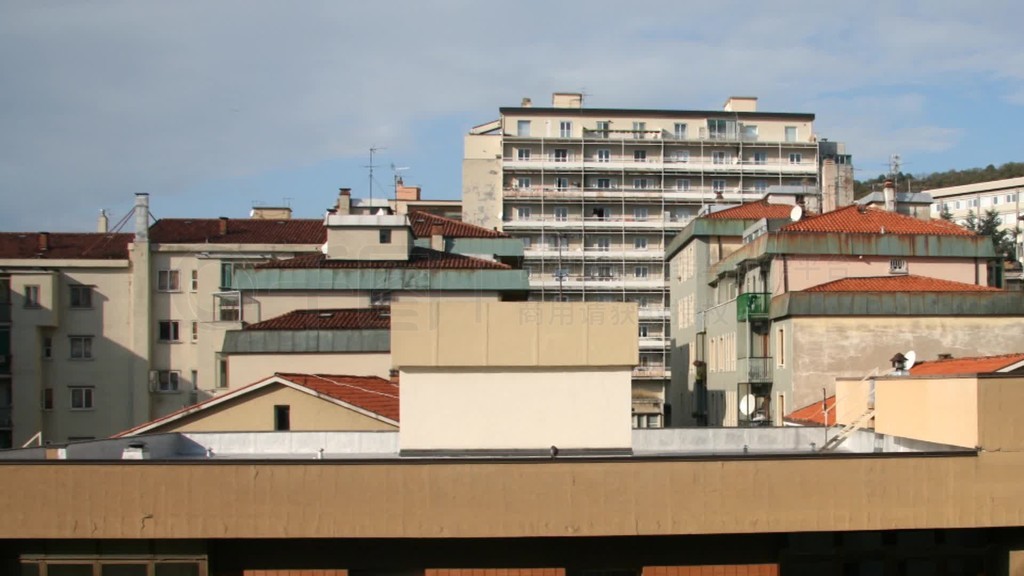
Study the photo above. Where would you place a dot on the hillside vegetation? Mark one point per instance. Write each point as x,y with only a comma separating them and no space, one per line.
921,182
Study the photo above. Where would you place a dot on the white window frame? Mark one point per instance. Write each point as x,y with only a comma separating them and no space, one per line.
172,328
86,398
565,129
604,155
168,280
681,156
679,130
898,266
640,183
643,331
603,183
195,331
32,296
760,158
639,129
642,272
603,127
194,286
523,212
168,381
640,243
84,345
718,185
561,183
683,184
791,134
641,213
719,157
561,213
82,303
603,244
560,155
760,186
523,182
795,158
523,154
640,156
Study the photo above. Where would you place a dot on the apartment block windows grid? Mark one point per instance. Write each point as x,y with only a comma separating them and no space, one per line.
81,347
81,397
31,296
168,280
168,331
565,129
81,296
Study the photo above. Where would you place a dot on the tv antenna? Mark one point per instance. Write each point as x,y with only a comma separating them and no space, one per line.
395,170
371,166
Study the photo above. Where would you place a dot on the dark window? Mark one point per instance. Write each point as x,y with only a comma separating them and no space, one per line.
385,236
282,417
168,330
81,296
47,398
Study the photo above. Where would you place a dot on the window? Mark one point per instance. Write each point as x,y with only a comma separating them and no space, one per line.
167,281
168,380
639,128
972,203
195,281
718,185
995,200
523,213
641,272
604,183
600,213
681,156
749,132
523,128
81,397
640,155
604,155
640,213
640,183
47,401
717,128
760,158
561,183
522,182
780,347
561,213
81,347
642,302
898,266
719,157
679,131
230,270
602,128
683,184
47,347
81,296
560,273
554,242
643,331
228,309
603,244
195,331
565,129
795,158
282,417
561,155
604,272
1011,198
168,331
384,236
526,242
195,379
380,297
760,186
640,243
222,371
523,154
790,133
31,296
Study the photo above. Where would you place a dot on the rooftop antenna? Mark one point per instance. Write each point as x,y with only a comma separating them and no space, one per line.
895,163
371,166
395,170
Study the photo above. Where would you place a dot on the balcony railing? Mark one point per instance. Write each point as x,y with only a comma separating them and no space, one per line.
757,370
753,306
652,371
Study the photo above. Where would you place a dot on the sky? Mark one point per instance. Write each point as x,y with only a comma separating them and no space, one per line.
213,107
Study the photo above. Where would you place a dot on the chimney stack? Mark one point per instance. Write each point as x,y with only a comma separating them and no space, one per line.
101,224
222,226
406,193
344,205
44,241
889,192
393,376
437,237
527,103
142,217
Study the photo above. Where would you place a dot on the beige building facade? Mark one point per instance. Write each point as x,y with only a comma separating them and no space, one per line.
597,194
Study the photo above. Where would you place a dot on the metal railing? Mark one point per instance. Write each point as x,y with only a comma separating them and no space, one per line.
757,370
753,306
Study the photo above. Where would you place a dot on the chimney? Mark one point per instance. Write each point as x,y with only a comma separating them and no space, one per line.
406,193
101,224
527,103
890,196
222,226
44,241
393,376
437,237
142,217
344,205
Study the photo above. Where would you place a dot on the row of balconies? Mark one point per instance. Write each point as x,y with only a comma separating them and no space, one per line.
652,371
572,162
649,194
591,253
640,136
576,282
608,222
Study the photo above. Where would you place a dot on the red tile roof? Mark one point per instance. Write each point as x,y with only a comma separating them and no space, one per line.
328,319
814,415
423,222
64,245
875,221
753,211
370,393
239,231
906,283
975,365
419,258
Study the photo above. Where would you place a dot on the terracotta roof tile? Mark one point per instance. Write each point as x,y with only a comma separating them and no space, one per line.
813,414
239,231
875,221
370,393
753,211
906,283
423,222
419,258
975,365
328,319
65,245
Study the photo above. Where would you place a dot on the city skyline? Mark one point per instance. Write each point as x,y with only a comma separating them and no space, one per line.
212,108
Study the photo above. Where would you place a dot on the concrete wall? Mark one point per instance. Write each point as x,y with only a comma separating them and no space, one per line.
481,181
510,409
248,368
254,412
853,397
943,410
363,243
807,271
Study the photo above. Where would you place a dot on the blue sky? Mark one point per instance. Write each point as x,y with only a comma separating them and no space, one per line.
211,107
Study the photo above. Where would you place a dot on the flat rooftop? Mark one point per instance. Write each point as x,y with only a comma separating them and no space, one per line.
679,443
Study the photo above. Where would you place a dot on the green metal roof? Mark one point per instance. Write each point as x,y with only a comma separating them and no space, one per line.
898,304
471,246
387,279
305,341
706,227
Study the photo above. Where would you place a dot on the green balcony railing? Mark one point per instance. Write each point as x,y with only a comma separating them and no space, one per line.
753,306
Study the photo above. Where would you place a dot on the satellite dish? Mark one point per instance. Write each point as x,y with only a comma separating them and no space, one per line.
796,213
911,359
748,404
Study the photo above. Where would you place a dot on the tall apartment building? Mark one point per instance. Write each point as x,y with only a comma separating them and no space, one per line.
597,194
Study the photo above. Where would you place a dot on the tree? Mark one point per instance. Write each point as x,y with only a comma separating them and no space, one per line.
946,214
1004,241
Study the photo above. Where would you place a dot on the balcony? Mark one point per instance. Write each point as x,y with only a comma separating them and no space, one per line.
757,370
575,253
653,313
653,342
595,282
652,371
753,306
